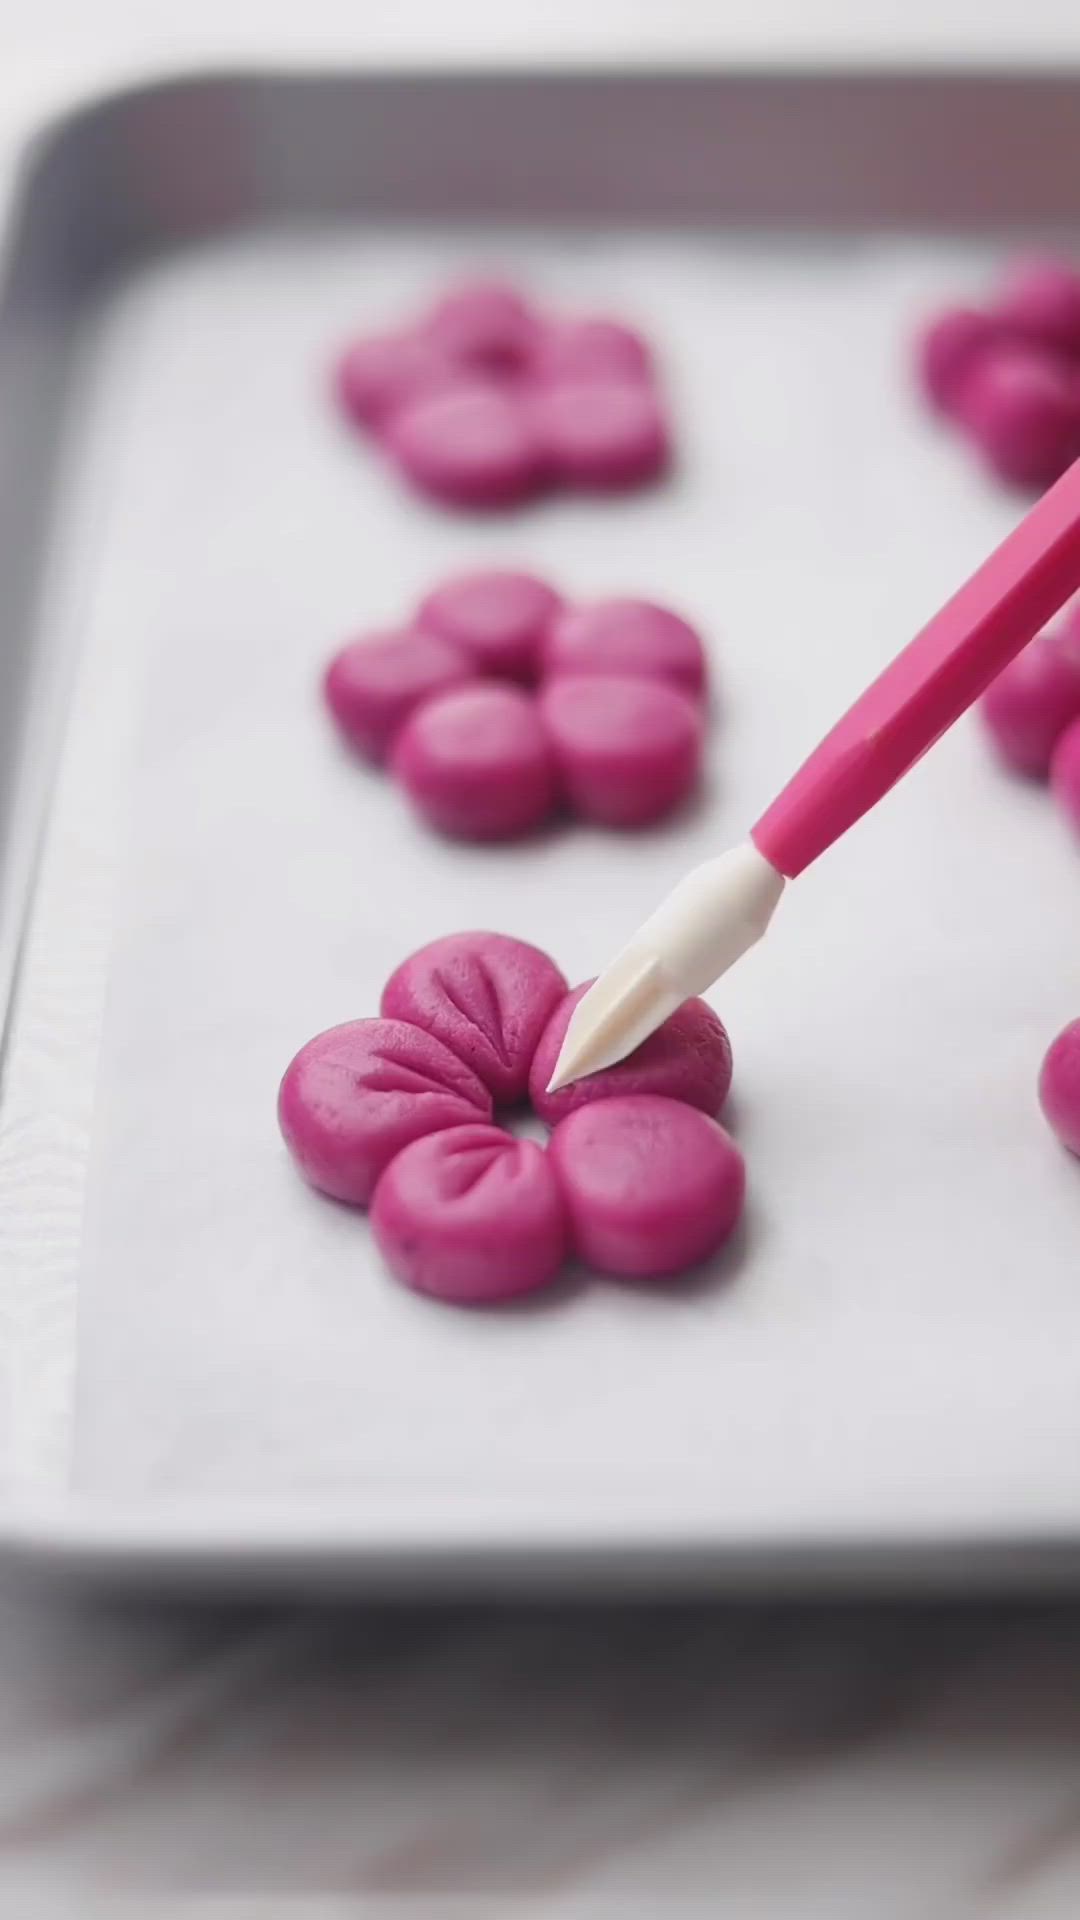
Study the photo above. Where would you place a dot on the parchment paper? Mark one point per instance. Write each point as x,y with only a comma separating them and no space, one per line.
900,1321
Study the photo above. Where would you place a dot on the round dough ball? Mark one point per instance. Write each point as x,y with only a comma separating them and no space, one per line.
1065,773
687,1058
485,996
377,376
651,1186
601,431
1022,408
473,446
497,617
571,349
375,682
354,1096
1040,303
471,1215
486,325
477,764
1059,1087
626,636
947,352
628,749
1032,701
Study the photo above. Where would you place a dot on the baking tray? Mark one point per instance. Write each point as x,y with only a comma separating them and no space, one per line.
203,1373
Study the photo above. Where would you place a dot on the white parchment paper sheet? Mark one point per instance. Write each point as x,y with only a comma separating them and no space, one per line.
899,1328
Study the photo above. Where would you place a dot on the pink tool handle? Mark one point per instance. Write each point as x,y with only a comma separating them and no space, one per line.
930,684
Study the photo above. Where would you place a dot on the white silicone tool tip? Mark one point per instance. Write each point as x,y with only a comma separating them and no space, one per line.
710,920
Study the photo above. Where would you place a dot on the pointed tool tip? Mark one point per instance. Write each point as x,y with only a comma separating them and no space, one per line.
573,1061
619,1011
716,912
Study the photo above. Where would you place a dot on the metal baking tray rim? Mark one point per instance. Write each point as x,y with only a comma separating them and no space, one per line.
478,1545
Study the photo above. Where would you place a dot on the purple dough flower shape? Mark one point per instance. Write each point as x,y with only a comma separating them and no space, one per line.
499,705
485,401
1033,701
1059,1086
397,1113
1007,375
